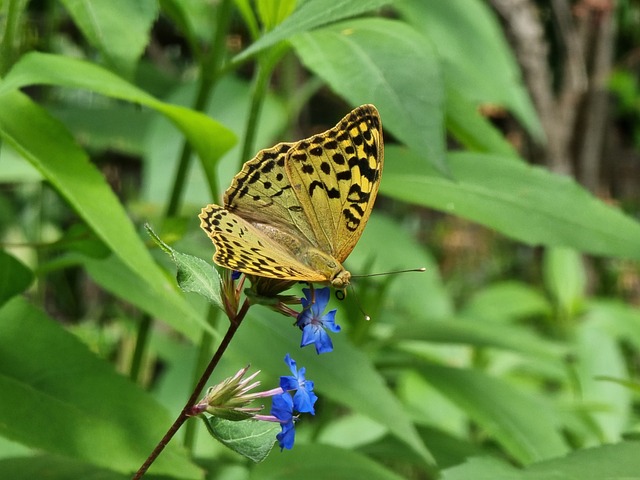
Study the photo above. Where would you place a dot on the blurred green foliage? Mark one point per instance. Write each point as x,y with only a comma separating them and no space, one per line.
513,356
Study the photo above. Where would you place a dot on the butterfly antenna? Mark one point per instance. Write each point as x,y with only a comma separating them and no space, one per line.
393,272
355,295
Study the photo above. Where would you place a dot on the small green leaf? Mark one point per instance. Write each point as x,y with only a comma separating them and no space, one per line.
565,278
14,277
250,438
194,274
310,15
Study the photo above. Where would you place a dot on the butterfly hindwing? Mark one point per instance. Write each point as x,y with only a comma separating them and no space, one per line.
240,246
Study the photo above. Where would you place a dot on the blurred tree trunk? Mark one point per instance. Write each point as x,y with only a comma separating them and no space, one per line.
570,96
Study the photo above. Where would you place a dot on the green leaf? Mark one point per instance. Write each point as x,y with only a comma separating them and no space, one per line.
14,277
482,334
463,33
194,274
267,337
612,462
367,60
75,404
310,15
114,276
208,137
502,411
527,203
118,28
251,438
321,462
273,12
52,467
506,302
46,144
565,278
600,354
470,128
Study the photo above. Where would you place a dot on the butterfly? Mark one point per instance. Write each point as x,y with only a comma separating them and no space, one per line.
296,210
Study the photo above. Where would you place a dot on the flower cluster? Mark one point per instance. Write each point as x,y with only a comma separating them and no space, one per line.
295,394
230,398
284,405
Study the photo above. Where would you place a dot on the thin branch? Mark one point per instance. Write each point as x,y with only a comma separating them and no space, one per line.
184,414
597,101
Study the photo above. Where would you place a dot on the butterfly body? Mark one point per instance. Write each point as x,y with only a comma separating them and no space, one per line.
296,210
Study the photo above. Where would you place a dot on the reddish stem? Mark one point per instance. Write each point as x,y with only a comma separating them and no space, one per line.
185,413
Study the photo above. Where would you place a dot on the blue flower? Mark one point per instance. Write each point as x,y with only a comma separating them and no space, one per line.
313,323
282,409
304,398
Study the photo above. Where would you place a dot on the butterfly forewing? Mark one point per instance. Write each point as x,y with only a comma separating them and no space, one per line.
262,193
336,176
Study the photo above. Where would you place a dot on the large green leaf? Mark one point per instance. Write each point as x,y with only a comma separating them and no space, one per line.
465,31
14,276
319,462
58,397
610,462
118,28
367,60
601,355
46,144
482,334
527,203
504,412
53,467
208,137
310,15
471,129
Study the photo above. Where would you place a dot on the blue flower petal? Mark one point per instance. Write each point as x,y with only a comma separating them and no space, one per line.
312,321
282,407
304,400
287,436
323,342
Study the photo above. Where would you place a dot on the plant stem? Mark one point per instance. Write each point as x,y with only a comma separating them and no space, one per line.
8,41
266,65
184,414
209,74
204,352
